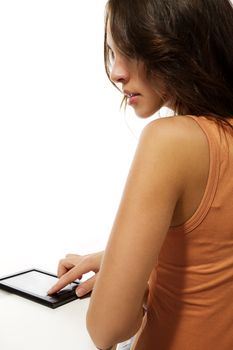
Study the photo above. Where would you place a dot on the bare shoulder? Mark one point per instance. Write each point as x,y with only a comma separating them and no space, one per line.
180,136
179,129
183,146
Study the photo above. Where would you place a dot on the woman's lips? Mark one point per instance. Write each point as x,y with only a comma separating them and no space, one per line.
132,97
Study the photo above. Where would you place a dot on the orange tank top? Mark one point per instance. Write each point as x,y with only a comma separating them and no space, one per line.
190,305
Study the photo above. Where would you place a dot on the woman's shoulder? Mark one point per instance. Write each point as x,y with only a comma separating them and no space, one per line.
179,143
184,147
180,133
174,125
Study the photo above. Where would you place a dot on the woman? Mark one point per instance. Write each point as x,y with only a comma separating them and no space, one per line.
167,272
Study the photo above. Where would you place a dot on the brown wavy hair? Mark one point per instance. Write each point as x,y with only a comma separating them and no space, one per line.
187,43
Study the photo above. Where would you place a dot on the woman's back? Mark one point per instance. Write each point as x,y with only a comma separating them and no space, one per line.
190,302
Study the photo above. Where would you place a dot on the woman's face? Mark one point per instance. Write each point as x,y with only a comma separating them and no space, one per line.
144,95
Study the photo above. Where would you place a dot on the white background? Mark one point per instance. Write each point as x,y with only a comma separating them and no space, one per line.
65,146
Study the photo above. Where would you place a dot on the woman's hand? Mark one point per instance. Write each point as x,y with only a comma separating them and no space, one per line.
73,267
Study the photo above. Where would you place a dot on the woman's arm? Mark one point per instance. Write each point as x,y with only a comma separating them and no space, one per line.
155,184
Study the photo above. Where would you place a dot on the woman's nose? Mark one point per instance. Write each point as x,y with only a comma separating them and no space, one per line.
119,73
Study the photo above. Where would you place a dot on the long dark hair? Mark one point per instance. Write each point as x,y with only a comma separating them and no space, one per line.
187,43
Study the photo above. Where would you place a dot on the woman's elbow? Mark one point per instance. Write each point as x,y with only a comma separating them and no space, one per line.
102,337
106,334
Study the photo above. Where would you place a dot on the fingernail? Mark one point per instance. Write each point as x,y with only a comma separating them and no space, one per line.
81,292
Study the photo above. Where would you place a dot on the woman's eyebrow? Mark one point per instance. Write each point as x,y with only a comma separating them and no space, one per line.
109,48
109,41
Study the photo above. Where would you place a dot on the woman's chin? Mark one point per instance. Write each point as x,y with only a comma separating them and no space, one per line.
145,114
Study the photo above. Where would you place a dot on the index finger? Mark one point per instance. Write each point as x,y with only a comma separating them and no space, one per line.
63,281
67,264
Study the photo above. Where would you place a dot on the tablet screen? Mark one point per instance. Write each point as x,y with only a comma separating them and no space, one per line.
34,284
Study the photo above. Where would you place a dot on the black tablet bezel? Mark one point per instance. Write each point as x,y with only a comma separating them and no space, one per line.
52,301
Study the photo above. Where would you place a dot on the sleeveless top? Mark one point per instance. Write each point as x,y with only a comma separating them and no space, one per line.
190,304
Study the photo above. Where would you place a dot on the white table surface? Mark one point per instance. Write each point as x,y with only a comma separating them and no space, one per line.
26,325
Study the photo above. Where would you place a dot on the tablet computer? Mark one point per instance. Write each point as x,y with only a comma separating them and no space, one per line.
34,284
